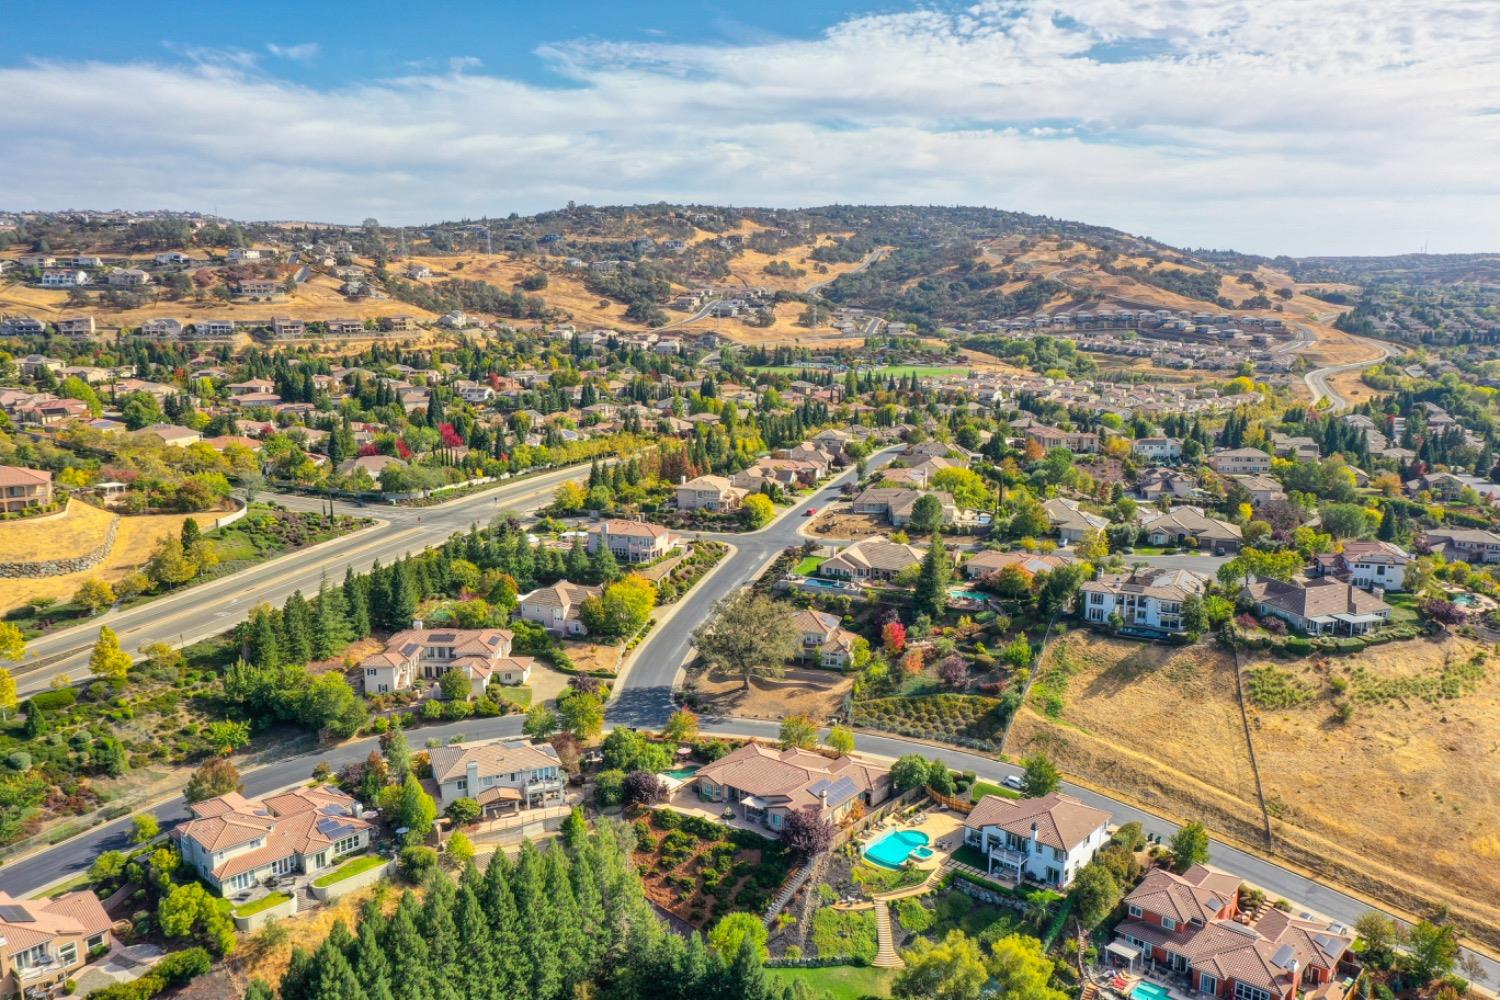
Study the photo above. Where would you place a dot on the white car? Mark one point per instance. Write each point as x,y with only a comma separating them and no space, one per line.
1012,781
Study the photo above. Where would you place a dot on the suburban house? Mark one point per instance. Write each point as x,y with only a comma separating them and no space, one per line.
896,503
260,288
872,558
1052,437
128,277
234,843
1262,489
1322,607
764,785
501,776
631,541
1045,839
162,328
556,608
172,434
708,493
76,326
1240,462
22,488
1071,523
989,562
1470,545
43,942
824,638
1157,449
1146,597
428,653
1191,924
1366,564
1181,525
64,278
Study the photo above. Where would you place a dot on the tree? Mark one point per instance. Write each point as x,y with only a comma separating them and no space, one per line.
1432,950
189,911
94,594
927,514
454,684
893,635
748,635
626,749
540,723
951,969
1189,847
1095,894
621,610
909,772
8,698
1380,936
463,811
143,827
408,807
12,642
213,778
733,930
931,596
1344,520
1017,652
582,714
227,735
1041,776
799,731
108,660
643,788
169,565
1022,970
757,511
1194,616
841,739
681,725
1093,546
460,849
807,833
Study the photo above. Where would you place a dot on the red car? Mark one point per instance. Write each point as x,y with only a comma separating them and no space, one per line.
809,512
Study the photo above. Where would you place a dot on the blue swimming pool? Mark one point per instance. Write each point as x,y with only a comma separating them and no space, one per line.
892,850
1149,991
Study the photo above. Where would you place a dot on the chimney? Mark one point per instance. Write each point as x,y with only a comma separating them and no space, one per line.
682,479
1033,838
473,776
416,623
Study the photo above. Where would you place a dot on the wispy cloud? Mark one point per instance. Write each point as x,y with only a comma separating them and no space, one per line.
299,52
1279,126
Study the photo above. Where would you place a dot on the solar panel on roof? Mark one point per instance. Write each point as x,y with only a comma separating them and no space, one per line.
16,915
442,637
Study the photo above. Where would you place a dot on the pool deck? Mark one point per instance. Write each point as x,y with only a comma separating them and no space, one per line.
944,835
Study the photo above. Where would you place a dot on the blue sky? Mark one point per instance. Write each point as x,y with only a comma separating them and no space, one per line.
1283,126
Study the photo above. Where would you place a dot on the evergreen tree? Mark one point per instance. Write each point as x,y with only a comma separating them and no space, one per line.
476,974
541,937
603,566
333,978
407,951
298,983
443,945
402,609
931,596
296,629
330,628
512,964
356,604
263,645
577,565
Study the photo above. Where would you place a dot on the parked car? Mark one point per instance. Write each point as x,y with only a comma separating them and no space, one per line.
1012,781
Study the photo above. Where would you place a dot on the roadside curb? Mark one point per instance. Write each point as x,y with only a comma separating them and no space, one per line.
628,664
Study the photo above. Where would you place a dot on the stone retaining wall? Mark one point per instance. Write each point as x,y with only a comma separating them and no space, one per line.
58,567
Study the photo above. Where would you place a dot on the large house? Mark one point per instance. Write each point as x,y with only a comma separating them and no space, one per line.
631,541
896,503
1190,924
1241,462
1366,564
499,776
1322,607
1183,524
22,488
1146,597
872,558
1470,545
1045,839
708,493
556,608
1070,522
1053,437
1262,489
824,638
990,562
44,942
234,843
1157,449
428,653
765,785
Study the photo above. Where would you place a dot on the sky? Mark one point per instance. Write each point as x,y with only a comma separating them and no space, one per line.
1269,126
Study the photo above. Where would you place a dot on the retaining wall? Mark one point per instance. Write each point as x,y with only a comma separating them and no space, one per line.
58,567
258,920
354,883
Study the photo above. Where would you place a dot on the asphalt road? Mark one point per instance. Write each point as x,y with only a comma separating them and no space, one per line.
208,609
1321,388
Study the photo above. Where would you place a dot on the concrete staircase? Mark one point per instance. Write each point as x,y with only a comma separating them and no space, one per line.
885,957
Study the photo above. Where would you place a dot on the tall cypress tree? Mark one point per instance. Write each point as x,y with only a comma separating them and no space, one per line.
411,974
512,964
357,603
296,629
330,627
540,940
476,976
443,944
402,608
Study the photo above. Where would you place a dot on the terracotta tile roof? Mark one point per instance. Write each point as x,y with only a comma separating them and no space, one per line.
1198,894
15,475
793,779
25,923
1061,821
493,759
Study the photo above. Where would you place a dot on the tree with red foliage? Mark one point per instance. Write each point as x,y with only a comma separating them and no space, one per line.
401,449
806,834
1442,612
893,634
953,671
366,450
450,436
644,788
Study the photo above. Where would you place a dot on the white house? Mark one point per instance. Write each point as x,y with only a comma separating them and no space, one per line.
556,608
1045,839
1367,565
1146,597
1241,462
498,775
1157,449
427,653
64,278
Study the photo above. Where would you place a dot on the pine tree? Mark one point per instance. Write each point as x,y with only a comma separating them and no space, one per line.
296,629
476,974
512,964
574,953
369,959
356,604
333,979
258,990
931,596
404,946
443,944
297,984
263,645
402,609
330,627
603,567
541,937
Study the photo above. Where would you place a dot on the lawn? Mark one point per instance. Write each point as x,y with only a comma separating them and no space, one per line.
983,788
260,905
1403,607
809,565
520,695
349,869
841,982
844,933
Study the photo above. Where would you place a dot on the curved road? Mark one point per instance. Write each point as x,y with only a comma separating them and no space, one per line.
1321,388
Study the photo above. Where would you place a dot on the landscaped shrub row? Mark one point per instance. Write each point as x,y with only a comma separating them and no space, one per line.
966,720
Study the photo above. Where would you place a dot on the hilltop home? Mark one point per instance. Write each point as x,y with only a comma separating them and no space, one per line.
1053,437
22,488
1146,597
990,562
1045,839
234,843
1366,564
1157,449
631,541
44,942
1183,524
872,558
1322,607
76,326
1241,462
1191,924
1470,545
765,785
824,639
556,608
428,653
1070,522
708,493
499,776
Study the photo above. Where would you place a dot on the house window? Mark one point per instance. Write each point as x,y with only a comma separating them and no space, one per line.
68,953
1168,923
346,845
30,957
1135,911
1244,991
1208,984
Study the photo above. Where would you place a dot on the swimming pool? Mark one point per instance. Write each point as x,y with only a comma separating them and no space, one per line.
1466,600
1149,991
959,594
682,773
892,850
818,583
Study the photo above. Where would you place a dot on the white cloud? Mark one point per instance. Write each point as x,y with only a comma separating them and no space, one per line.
1280,126
299,52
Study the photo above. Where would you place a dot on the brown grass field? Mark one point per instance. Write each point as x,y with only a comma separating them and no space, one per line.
1401,804
73,531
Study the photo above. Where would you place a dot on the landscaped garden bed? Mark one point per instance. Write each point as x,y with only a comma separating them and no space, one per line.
349,869
699,870
961,719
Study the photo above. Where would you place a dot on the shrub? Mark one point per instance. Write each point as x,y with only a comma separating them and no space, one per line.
913,916
417,861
